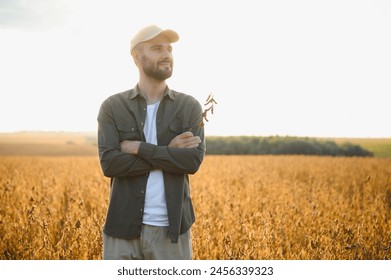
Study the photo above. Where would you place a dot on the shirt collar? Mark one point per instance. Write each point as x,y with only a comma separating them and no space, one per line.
136,91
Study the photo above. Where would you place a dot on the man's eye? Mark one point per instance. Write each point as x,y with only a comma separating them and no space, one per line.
161,49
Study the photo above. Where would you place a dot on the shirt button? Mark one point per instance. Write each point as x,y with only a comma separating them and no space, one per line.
142,123
132,128
141,209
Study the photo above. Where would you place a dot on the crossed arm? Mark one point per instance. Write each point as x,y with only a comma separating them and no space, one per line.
182,155
185,140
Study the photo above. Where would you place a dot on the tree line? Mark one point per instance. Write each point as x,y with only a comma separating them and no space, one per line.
279,145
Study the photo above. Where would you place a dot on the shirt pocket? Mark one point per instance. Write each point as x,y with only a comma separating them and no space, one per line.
128,131
178,126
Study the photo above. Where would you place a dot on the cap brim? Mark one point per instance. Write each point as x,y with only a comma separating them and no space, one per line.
154,32
171,35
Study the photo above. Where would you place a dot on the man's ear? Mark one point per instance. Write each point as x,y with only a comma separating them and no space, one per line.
137,55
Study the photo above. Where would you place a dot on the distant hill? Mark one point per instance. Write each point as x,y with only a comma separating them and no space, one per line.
48,144
84,143
381,147
283,145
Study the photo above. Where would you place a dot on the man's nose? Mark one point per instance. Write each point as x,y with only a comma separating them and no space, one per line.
167,52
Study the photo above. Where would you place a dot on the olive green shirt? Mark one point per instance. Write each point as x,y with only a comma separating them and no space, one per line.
121,117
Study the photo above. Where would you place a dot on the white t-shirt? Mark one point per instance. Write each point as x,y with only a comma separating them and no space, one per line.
155,208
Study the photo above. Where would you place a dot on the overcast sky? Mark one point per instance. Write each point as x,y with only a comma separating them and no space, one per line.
299,68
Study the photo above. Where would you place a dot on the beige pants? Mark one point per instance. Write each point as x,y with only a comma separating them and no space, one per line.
154,244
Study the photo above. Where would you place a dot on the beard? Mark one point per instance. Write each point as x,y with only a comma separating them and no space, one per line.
155,72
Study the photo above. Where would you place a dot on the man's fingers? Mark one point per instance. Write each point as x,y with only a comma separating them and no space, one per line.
185,140
186,134
192,142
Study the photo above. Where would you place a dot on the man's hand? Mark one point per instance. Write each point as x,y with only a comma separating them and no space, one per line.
130,147
185,140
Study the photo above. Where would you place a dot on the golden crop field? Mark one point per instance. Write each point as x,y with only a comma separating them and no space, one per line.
247,207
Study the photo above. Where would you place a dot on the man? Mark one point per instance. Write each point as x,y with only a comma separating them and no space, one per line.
149,140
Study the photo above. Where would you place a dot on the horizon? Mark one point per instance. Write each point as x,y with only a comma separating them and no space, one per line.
89,132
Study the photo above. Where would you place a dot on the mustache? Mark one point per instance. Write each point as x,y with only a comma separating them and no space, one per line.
166,60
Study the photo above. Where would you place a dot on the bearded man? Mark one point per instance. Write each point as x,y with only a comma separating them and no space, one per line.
149,141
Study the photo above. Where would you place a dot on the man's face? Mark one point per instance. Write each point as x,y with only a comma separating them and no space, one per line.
157,59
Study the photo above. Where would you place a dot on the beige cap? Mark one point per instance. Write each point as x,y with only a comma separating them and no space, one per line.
150,32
